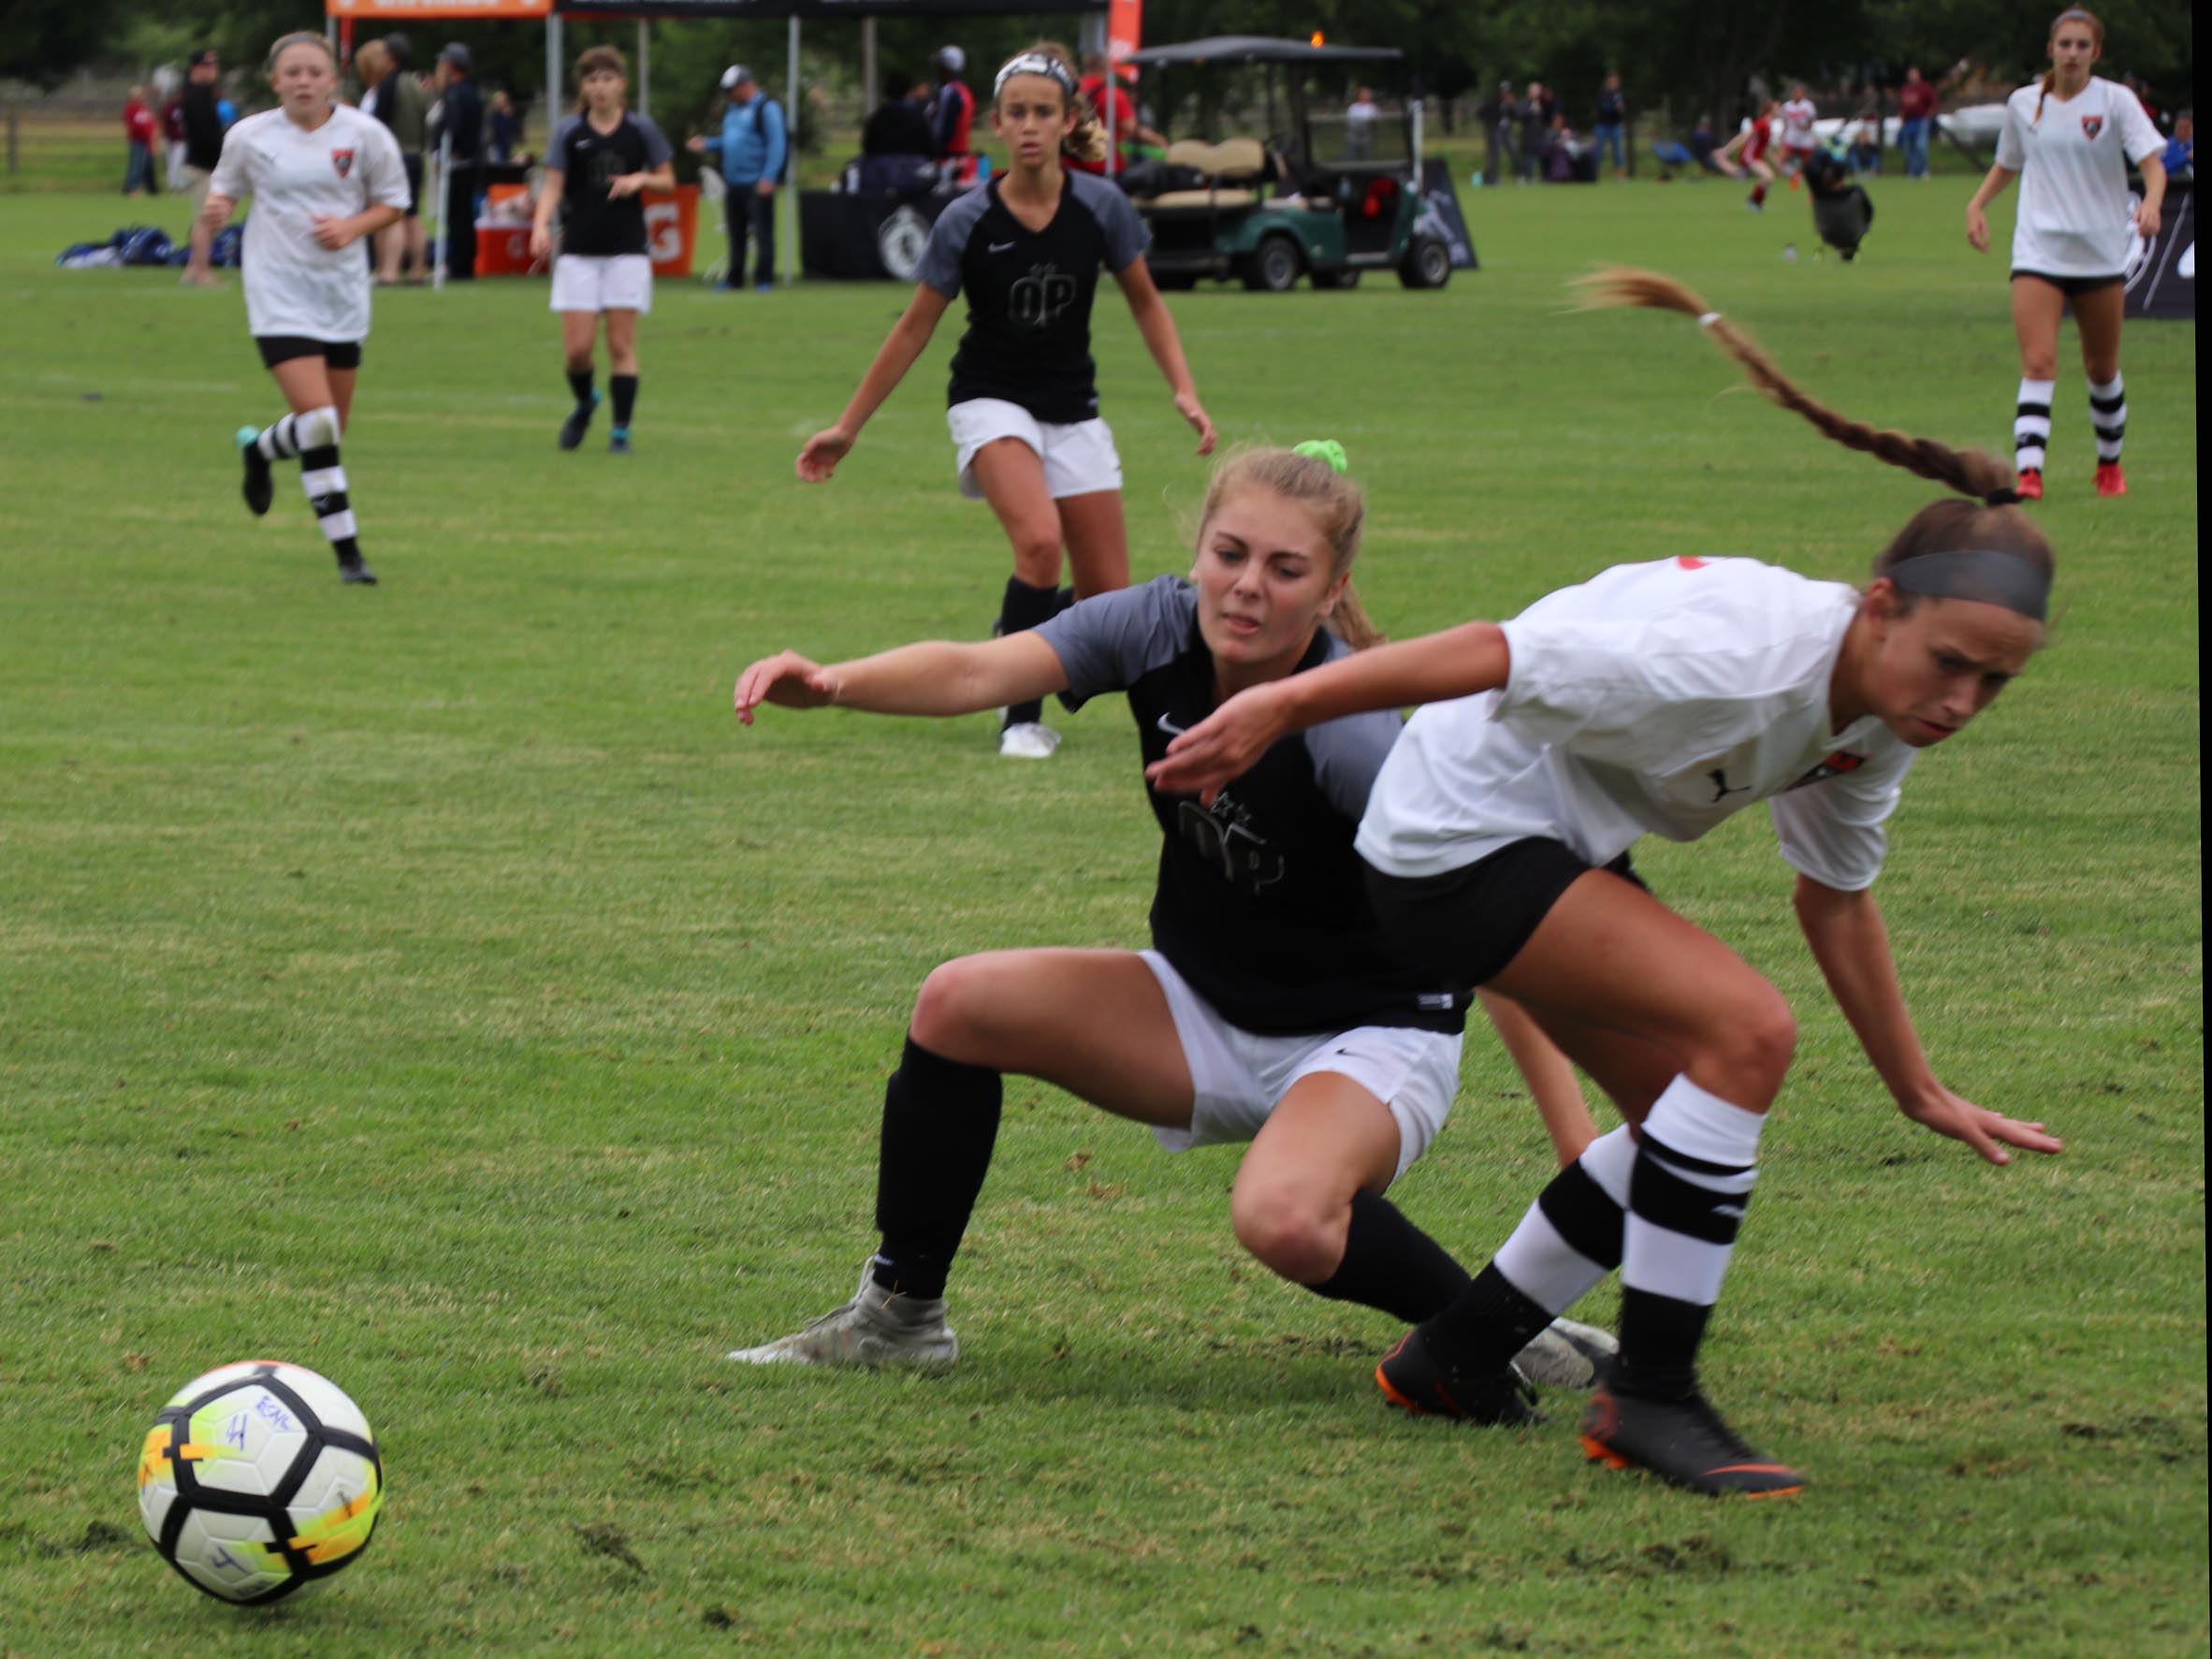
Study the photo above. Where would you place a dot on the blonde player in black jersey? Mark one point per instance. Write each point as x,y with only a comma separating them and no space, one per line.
1663,698
1267,1010
2069,137
322,175
1028,247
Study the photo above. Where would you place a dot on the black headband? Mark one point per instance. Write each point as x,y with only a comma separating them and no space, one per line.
1980,574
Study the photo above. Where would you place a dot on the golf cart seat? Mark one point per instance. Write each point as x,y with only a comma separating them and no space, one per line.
1236,172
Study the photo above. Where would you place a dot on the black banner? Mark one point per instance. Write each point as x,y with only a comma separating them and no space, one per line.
1440,213
2163,272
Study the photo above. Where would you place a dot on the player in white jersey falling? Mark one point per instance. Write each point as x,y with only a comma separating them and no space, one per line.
2069,137
322,175
1662,699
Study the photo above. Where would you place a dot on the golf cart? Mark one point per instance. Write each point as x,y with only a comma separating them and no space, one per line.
1325,195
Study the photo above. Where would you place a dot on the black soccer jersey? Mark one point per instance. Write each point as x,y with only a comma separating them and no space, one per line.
1262,903
1029,292
589,161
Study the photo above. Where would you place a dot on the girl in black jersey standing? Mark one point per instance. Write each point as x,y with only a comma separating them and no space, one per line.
1028,247
600,162
1268,1008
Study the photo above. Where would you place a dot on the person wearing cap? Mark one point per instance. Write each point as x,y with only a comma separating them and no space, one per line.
461,121
751,149
203,149
952,115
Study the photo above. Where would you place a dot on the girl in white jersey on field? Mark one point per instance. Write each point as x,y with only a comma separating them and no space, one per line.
1798,140
322,175
1024,403
2069,137
1664,698
1269,1011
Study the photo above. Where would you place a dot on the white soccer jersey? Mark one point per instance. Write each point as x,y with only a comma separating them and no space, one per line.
1797,117
294,285
2072,162
1653,699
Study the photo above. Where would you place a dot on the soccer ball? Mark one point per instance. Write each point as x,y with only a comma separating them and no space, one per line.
259,1479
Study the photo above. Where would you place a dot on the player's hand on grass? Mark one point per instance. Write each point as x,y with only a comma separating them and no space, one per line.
1224,745
1191,409
1960,1119
786,680
823,453
1977,230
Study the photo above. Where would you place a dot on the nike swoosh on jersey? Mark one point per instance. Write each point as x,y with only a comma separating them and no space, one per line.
1170,727
1000,247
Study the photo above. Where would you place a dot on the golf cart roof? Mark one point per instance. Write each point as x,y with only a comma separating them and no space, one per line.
1259,48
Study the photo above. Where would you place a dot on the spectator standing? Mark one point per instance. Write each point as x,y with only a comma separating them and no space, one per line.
502,130
1535,124
403,107
1500,116
141,134
951,116
1612,129
172,132
1359,117
2180,157
1916,114
901,124
203,149
460,125
751,149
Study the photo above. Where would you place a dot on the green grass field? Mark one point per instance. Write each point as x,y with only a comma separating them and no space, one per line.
435,986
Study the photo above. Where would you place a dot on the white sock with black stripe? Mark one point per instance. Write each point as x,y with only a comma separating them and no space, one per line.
1571,1236
2108,415
2031,425
324,479
279,441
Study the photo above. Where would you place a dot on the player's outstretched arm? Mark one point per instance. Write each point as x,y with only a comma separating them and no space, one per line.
1851,946
931,679
1156,324
908,336
1458,662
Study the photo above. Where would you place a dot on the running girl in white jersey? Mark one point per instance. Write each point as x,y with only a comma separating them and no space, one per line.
1028,247
2069,139
1662,699
1268,1010
1799,141
322,175
1746,152
601,161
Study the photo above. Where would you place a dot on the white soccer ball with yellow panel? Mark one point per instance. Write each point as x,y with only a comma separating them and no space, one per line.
258,1480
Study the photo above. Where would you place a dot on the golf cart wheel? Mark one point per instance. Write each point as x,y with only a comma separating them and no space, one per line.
1427,264
1337,279
1272,267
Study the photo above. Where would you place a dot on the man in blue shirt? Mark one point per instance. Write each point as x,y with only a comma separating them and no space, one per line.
751,149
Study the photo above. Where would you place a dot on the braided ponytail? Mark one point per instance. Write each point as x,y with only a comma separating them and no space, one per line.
1989,521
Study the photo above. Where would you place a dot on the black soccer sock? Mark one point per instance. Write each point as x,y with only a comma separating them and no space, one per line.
324,479
1025,608
1389,1263
625,389
1485,1326
580,382
940,1120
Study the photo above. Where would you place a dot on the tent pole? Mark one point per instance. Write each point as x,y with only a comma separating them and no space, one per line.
870,92
645,70
552,76
791,140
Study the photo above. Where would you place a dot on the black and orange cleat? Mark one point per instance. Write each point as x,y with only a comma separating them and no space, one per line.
2029,488
2110,479
1683,1441
1412,1380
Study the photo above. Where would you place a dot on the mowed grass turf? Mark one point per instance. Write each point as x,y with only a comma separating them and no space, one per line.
435,986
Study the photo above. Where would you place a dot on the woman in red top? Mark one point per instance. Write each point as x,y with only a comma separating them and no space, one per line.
1120,120
139,132
1916,114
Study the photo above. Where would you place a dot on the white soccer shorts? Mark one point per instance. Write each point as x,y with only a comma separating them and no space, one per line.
1237,1076
1078,459
603,282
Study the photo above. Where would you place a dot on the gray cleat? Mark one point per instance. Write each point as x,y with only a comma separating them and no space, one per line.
877,1327
1565,1355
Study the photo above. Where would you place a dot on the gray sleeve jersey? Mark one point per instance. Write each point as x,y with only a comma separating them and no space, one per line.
1125,230
1107,642
948,241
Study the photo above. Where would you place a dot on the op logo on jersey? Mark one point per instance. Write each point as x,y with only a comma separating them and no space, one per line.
1225,838
344,161
1842,760
1038,298
2091,125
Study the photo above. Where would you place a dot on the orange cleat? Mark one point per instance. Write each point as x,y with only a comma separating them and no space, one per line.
2110,479
2030,484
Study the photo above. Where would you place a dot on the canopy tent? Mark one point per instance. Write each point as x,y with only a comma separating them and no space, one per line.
1259,48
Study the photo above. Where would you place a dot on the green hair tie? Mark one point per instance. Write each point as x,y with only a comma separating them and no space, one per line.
1324,449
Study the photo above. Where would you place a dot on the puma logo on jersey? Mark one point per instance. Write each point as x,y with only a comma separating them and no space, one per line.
1721,790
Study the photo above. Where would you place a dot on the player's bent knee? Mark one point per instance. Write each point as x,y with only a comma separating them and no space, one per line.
1756,1041
1287,1233
959,1012
317,429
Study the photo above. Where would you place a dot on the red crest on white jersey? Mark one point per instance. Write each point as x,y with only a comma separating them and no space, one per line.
2091,125
344,161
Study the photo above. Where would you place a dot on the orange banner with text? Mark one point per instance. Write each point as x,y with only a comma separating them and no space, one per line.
443,10
1125,31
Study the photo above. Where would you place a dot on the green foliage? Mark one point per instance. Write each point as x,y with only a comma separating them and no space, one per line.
41,41
434,986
